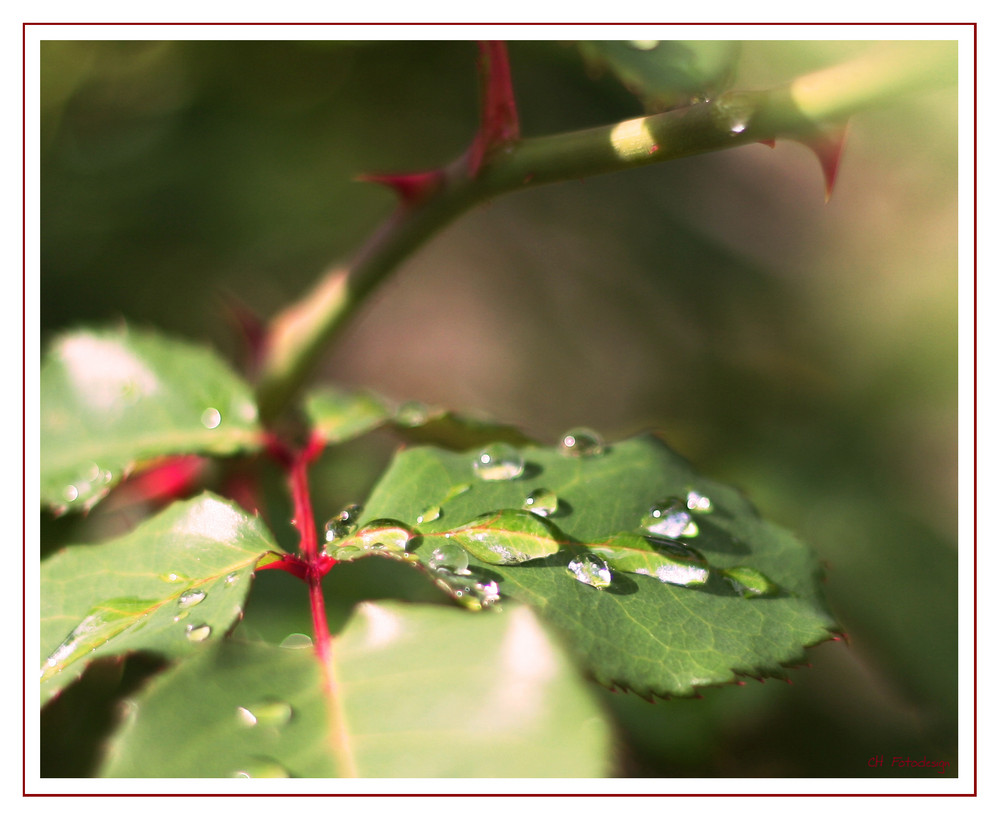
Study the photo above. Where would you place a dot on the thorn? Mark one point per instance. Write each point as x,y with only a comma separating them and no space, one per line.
769,143
410,188
828,146
498,120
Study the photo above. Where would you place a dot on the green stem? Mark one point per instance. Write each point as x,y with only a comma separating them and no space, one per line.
300,335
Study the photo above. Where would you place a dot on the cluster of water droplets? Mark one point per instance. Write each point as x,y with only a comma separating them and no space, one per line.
449,567
92,485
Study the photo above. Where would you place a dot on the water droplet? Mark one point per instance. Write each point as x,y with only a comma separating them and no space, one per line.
696,502
382,535
296,640
644,45
430,514
682,575
92,473
211,418
748,582
262,768
412,413
180,616
71,493
472,589
173,578
191,598
343,523
197,634
590,569
542,502
450,557
498,462
581,442
670,518
106,476
276,713
232,578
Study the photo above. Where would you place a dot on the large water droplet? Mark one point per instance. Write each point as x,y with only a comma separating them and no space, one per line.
211,418
542,502
498,462
274,713
296,640
670,518
590,569
748,582
682,575
71,493
385,534
190,598
343,523
450,557
581,442
197,634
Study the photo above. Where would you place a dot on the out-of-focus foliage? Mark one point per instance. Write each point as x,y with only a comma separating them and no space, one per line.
803,351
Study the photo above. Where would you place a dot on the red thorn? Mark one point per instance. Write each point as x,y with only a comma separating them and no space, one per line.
828,146
768,143
498,120
410,188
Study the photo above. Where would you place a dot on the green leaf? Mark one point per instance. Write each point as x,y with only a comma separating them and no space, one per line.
666,74
340,414
178,579
660,626
113,398
413,691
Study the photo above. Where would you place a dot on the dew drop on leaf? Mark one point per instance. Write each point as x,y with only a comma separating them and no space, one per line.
450,557
71,493
274,713
670,518
678,574
748,582
262,768
644,45
343,523
498,462
581,442
190,598
232,578
296,640
197,634
542,502
211,418
590,569
428,515
173,578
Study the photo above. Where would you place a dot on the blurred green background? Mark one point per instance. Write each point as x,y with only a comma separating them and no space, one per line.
805,352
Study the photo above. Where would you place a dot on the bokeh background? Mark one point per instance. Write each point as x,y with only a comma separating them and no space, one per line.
806,352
